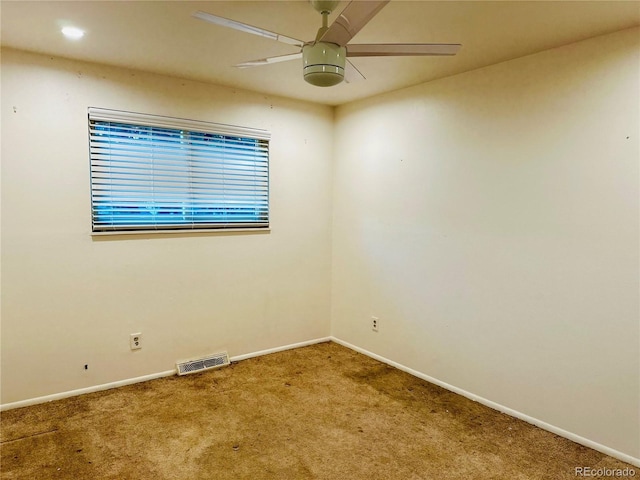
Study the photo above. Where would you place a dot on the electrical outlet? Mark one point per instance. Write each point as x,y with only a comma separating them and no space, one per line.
135,341
375,321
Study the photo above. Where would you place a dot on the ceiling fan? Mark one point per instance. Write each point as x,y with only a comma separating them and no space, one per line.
325,58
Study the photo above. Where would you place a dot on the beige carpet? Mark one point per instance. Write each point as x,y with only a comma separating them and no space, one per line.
319,412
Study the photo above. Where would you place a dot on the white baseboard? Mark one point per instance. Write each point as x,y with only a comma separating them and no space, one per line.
501,408
237,358
82,391
145,378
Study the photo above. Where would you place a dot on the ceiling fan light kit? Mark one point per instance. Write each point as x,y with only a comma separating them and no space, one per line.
323,64
324,59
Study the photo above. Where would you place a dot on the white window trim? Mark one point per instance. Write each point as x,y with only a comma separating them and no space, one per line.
107,115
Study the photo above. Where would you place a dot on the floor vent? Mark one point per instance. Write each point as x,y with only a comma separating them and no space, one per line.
200,364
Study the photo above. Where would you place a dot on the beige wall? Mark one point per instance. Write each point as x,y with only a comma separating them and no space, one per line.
69,299
490,220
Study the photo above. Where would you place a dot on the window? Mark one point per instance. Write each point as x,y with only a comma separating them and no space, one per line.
160,173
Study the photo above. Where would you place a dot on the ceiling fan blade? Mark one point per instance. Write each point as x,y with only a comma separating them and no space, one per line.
402,49
269,60
355,16
351,73
243,27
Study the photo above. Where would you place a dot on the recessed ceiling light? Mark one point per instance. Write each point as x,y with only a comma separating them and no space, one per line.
72,33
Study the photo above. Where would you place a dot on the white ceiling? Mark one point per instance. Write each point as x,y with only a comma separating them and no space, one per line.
162,37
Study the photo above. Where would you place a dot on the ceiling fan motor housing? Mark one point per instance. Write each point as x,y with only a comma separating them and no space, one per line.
323,64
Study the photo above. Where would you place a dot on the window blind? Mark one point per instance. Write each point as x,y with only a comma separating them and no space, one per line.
160,173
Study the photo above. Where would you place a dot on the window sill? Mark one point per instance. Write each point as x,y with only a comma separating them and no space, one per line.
181,232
